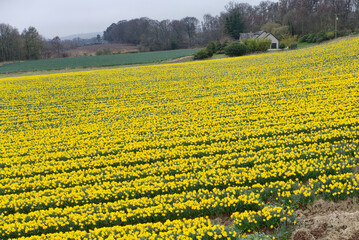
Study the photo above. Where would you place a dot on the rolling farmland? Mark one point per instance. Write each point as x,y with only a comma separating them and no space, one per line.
157,152
94,61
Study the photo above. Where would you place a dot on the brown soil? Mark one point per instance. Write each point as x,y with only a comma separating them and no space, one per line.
182,59
91,49
222,219
325,220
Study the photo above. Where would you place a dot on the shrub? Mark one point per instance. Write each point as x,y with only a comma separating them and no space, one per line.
263,44
303,38
293,46
103,51
289,41
225,43
257,45
130,51
330,35
343,33
250,44
321,37
203,54
311,38
211,48
235,49
219,48
281,46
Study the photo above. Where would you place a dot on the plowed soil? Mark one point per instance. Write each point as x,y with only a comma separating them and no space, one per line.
327,220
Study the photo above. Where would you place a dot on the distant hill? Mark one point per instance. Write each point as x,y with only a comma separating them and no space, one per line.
82,36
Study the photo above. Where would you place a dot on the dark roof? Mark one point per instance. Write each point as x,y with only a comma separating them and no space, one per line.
254,35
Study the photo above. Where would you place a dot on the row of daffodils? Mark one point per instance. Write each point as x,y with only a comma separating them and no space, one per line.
163,152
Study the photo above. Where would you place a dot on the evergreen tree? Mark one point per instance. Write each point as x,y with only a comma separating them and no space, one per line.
234,24
33,43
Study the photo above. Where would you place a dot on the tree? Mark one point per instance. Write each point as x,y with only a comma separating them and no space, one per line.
33,43
157,36
56,45
276,29
269,26
178,33
211,28
250,16
10,43
234,24
108,34
190,25
98,39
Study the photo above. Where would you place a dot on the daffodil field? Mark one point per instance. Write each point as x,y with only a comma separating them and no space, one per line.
158,152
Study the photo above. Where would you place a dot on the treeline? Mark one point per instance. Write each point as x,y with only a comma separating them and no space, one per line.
312,20
155,35
31,45
294,17
15,46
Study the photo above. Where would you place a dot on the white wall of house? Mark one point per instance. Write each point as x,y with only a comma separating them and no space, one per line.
274,41
262,34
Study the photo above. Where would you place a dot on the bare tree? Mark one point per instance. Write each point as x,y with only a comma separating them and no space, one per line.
191,25
11,44
57,45
211,28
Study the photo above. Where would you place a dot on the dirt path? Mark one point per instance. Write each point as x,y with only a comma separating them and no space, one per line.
325,220
181,59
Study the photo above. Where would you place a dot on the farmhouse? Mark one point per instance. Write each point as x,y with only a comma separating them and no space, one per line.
261,34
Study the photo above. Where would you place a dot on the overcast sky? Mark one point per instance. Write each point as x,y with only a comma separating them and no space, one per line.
66,17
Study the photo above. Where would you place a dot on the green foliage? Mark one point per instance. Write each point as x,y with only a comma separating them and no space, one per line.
321,36
276,29
250,44
211,48
281,46
257,45
289,41
330,35
263,44
235,49
293,46
203,54
343,33
281,32
305,44
219,47
94,61
234,24
312,38
225,43
303,39
269,26
33,43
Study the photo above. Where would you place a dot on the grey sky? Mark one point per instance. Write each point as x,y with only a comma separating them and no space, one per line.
66,17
